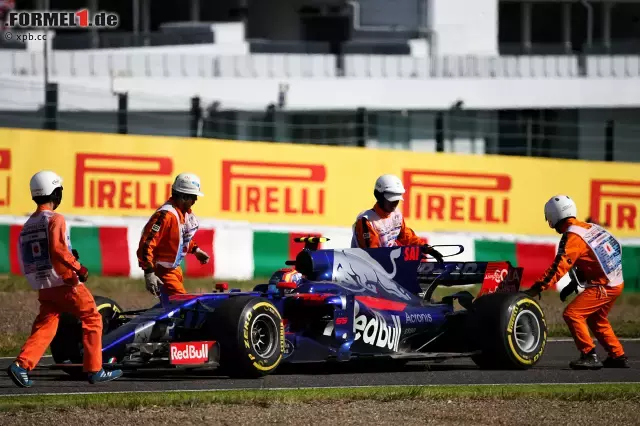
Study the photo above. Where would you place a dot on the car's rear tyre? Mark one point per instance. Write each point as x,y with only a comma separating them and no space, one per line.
250,332
67,343
510,330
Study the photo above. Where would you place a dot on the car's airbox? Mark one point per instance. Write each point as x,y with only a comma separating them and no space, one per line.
315,265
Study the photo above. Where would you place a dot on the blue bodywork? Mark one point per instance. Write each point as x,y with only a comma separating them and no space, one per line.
352,303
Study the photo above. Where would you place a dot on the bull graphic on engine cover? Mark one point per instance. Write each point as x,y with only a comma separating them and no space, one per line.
356,270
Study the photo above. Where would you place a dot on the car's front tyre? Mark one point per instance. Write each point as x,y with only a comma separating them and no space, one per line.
250,332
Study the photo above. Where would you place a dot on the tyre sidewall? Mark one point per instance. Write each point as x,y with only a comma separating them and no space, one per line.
490,329
67,343
252,359
109,310
517,355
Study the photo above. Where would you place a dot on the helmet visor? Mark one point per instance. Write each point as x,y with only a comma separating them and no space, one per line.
390,196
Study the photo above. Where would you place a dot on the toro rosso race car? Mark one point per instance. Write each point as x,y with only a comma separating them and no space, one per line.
351,304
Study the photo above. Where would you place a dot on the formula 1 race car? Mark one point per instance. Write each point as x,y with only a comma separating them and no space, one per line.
352,304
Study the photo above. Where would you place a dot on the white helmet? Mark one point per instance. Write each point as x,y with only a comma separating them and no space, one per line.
187,183
43,183
559,207
391,187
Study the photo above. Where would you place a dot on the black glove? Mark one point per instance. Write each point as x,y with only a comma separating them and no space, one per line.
572,287
75,254
427,249
535,290
577,275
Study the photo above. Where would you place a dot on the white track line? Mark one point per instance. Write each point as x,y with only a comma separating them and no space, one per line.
319,388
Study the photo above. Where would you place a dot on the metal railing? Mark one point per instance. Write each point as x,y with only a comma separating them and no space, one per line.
563,134
108,40
315,66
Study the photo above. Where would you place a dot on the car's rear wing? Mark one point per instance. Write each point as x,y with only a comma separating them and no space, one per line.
405,266
494,276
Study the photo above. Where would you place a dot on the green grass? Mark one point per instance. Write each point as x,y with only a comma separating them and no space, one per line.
578,392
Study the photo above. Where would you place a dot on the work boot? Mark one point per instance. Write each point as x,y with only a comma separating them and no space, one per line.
104,376
19,375
619,362
587,361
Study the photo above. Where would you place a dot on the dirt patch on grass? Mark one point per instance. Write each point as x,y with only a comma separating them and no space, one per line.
19,309
413,412
624,316
19,304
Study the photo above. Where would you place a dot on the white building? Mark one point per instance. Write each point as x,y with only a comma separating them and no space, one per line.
545,78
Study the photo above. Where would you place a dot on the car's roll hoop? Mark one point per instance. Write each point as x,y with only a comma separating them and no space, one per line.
310,244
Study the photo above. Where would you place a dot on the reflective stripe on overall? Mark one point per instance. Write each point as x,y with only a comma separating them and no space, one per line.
388,228
34,252
188,230
607,250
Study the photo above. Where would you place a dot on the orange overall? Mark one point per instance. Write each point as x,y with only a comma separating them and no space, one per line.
589,310
47,262
166,239
383,229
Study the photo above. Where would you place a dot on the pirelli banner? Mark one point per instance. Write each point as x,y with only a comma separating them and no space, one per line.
129,176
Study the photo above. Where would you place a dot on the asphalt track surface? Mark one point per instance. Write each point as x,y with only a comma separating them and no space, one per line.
552,368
